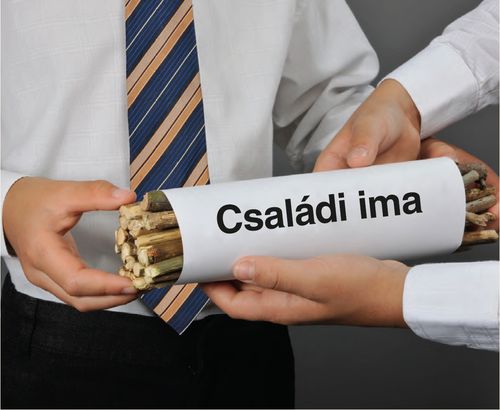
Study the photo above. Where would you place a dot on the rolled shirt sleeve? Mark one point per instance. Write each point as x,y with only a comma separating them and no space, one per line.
457,74
454,303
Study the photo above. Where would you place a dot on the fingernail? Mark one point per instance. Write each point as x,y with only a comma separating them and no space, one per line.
244,270
357,153
121,193
129,291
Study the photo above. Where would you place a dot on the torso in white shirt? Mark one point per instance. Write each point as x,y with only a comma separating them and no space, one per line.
262,64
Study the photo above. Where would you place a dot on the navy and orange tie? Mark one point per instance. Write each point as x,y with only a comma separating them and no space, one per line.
166,123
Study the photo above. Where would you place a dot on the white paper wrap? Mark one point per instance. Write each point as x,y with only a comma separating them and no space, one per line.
432,223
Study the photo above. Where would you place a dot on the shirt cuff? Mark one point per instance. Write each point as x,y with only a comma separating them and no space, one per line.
8,179
454,303
441,85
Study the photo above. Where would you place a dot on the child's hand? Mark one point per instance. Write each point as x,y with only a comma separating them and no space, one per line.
342,289
38,214
384,129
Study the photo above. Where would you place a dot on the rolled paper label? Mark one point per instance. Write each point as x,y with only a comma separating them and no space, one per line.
395,211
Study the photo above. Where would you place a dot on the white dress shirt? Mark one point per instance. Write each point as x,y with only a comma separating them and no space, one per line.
456,75
290,71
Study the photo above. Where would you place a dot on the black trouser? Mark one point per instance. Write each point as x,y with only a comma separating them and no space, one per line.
53,357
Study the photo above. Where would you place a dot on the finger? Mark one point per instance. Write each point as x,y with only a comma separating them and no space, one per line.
72,275
93,196
82,304
300,277
333,156
368,134
248,286
434,148
267,305
239,304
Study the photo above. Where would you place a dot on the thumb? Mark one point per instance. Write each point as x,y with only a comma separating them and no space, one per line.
333,156
367,136
94,195
299,277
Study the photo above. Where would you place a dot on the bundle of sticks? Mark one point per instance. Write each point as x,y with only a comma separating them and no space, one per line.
479,198
149,240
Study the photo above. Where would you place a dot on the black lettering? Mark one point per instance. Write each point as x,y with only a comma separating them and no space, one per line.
289,212
384,203
220,218
417,206
278,217
343,215
254,222
362,205
305,217
330,206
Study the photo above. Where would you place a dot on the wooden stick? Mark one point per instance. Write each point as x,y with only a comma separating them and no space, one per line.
476,193
490,216
164,267
165,284
129,263
131,211
128,249
475,219
481,204
470,177
478,167
155,201
140,284
138,269
170,278
136,228
158,238
477,237
122,272
121,236
123,222
134,224
155,253
159,220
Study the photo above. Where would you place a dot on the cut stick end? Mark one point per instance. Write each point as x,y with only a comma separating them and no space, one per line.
155,201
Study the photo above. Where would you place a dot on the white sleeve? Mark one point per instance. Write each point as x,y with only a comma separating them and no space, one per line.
454,303
457,74
326,76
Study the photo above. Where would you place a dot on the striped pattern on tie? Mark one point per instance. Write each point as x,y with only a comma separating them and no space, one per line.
166,123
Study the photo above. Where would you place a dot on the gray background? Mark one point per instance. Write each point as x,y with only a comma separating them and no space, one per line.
351,367
347,367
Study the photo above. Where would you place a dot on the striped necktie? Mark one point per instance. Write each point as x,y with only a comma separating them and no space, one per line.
166,123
